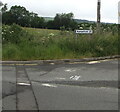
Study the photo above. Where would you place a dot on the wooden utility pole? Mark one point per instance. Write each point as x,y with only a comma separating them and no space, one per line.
119,13
98,15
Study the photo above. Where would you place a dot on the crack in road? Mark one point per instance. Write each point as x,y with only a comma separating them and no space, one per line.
21,88
6,95
110,84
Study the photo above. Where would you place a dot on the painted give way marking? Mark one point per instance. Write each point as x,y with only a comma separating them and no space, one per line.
76,77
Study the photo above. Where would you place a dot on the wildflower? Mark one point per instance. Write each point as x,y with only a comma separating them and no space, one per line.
99,48
90,27
81,27
51,34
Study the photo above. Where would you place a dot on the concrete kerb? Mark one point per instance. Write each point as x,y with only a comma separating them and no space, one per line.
61,61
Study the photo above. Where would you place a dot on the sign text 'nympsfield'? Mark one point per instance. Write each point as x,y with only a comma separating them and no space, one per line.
84,31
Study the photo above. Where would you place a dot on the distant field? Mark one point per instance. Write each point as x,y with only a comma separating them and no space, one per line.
43,44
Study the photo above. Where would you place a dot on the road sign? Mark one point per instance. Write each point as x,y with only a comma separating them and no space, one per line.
84,31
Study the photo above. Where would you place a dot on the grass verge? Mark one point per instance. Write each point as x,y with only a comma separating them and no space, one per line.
43,44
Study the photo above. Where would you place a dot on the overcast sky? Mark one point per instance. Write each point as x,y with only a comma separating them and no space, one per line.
82,9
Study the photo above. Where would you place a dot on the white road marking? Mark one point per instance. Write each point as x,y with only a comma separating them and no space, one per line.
93,62
107,88
49,85
71,77
52,63
76,77
100,88
70,70
60,78
24,84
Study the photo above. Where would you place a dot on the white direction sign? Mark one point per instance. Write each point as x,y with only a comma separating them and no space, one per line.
84,31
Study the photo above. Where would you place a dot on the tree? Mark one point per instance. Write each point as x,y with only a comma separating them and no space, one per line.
37,22
50,24
23,17
20,15
1,3
7,18
4,8
64,20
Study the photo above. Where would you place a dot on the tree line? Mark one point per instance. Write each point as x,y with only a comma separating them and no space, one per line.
21,16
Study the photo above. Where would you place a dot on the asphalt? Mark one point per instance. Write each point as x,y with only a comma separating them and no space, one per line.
91,85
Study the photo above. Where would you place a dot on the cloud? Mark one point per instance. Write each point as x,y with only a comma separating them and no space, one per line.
84,9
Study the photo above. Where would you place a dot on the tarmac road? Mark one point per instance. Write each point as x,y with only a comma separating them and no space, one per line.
76,86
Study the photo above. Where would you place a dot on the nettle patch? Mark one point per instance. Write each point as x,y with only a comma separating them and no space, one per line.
14,34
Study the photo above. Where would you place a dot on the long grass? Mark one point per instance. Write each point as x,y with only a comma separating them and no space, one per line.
54,44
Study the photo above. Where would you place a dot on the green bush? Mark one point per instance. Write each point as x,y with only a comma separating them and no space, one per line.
14,34
11,33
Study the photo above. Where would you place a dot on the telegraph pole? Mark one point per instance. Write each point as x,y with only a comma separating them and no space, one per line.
98,15
119,13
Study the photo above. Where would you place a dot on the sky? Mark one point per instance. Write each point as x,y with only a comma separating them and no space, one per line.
119,13
82,9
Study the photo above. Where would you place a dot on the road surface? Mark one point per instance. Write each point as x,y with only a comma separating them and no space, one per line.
74,86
